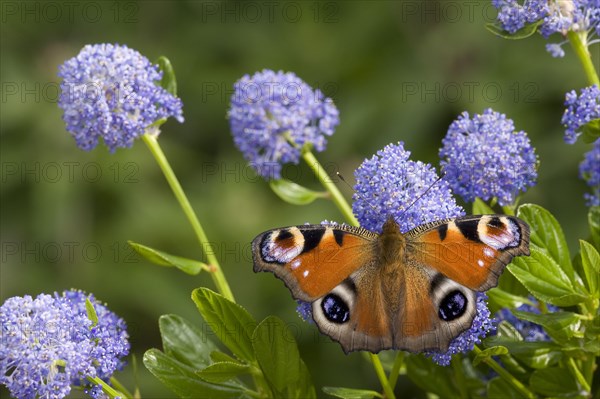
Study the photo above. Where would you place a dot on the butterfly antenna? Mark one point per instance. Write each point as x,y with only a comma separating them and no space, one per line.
354,191
424,192
408,207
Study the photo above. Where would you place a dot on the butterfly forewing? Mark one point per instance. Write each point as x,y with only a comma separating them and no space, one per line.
313,259
473,250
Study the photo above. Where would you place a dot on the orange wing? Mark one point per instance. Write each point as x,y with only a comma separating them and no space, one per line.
472,250
313,259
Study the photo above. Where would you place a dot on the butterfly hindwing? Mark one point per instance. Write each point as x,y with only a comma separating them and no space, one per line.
434,311
354,313
313,259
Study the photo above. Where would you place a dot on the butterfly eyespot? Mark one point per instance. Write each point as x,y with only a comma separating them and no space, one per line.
453,306
335,309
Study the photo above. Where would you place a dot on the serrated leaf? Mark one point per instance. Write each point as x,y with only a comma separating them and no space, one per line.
222,371
560,326
218,356
507,331
184,342
592,337
294,193
502,299
349,393
488,353
230,322
480,207
168,81
545,279
277,355
554,382
522,33
590,262
594,222
182,379
533,354
161,258
546,234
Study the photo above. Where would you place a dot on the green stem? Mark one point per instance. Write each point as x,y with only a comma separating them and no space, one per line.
328,184
508,377
387,389
589,366
459,375
217,273
259,381
395,373
579,44
110,391
577,374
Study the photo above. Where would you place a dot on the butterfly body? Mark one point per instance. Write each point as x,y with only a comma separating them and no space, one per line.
414,291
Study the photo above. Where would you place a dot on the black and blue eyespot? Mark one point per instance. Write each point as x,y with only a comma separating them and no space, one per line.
335,309
453,306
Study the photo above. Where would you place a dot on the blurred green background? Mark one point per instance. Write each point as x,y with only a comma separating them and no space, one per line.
397,71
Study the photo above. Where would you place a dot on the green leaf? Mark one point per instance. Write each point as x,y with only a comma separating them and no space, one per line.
182,379
544,278
91,312
480,207
184,342
305,387
168,81
277,355
553,381
488,353
522,33
594,222
503,299
591,132
506,331
230,322
222,371
546,233
349,393
161,258
590,261
294,193
592,336
533,354
561,326
498,388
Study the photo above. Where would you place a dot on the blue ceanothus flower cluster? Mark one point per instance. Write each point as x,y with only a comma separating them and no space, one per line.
581,109
50,344
589,170
486,157
112,92
389,182
386,185
554,16
273,115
